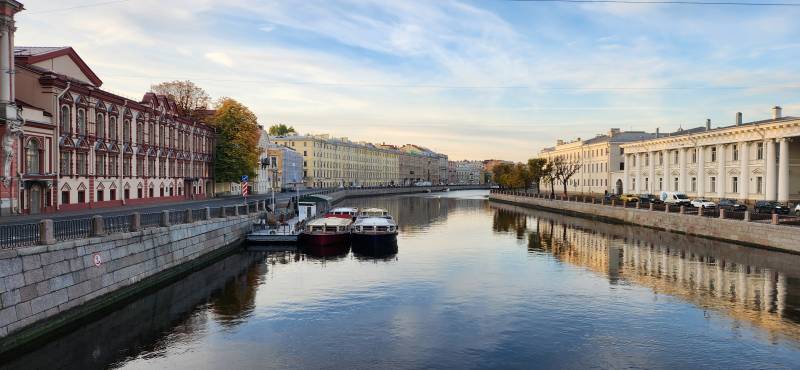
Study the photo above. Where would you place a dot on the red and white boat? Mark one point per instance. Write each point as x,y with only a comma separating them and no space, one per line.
327,231
343,212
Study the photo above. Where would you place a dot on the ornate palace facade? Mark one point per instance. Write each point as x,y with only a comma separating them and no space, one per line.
78,146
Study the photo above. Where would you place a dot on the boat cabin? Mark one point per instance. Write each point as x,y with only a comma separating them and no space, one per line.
328,225
374,212
374,225
343,212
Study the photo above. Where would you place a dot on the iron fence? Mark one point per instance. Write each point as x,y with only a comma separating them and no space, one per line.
230,211
151,219
18,235
198,214
117,224
177,217
217,212
72,229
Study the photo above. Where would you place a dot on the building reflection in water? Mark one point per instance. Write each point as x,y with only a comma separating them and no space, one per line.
747,284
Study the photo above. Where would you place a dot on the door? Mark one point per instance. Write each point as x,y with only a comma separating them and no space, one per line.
36,199
619,187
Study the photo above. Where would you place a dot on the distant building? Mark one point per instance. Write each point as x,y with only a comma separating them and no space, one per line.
466,173
429,166
262,183
600,159
285,166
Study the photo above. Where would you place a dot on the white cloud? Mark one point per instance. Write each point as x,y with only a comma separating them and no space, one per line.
219,58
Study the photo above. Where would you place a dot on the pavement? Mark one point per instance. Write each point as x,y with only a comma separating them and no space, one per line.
147,208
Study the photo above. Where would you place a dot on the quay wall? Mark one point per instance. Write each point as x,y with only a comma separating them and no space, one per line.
758,234
45,287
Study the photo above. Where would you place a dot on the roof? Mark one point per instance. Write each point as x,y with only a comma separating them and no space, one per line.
375,221
343,209
703,129
330,221
36,54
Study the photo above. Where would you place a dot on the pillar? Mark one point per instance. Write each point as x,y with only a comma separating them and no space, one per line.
652,174
721,175
626,173
667,172
771,180
783,171
638,188
701,171
164,219
682,178
136,221
46,232
98,226
744,170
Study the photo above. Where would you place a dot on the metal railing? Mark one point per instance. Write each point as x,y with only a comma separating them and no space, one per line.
230,211
19,235
198,214
151,219
72,229
177,217
117,224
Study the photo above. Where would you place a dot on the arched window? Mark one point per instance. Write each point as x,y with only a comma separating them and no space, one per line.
126,131
112,128
32,157
100,126
81,122
152,134
65,119
139,132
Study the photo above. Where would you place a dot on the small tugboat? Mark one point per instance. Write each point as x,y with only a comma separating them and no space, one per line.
326,231
373,230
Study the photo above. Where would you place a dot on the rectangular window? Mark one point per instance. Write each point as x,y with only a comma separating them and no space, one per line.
735,184
112,165
99,195
660,183
66,163
713,184
694,155
675,157
139,193
81,196
140,166
760,151
759,184
112,194
100,165
127,193
65,197
694,184
621,166
81,165
735,153
713,154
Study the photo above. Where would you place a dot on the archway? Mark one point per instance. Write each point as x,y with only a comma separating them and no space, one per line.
619,187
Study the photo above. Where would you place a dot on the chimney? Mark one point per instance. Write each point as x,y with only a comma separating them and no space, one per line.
738,118
776,112
657,133
613,132
708,124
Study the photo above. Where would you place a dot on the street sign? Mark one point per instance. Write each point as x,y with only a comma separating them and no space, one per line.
245,186
245,178
97,260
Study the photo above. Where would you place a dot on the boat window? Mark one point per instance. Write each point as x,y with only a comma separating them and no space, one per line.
330,228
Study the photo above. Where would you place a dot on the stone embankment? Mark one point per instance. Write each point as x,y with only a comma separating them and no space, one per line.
764,234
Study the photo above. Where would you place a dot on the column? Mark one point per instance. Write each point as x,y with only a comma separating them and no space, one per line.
744,169
770,184
721,175
783,171
5,62
639,187
652,175
625,173
683,179
701,171
667,174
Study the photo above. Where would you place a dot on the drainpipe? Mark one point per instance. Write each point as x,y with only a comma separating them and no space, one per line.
58,152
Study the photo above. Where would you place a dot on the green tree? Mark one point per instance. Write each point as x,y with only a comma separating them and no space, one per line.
281,130
237,131
189,97
537,167
501,172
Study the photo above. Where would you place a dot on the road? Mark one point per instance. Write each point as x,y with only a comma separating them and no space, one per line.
280,199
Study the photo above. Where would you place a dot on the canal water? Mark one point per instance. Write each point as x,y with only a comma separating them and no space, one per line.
473,284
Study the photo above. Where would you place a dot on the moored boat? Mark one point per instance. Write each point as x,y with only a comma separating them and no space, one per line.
326,231
343,212
374,229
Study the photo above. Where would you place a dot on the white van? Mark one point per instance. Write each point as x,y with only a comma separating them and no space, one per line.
675,198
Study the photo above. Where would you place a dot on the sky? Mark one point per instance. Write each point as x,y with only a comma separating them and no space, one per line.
471,79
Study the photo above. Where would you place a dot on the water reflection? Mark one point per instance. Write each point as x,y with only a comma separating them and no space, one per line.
746,284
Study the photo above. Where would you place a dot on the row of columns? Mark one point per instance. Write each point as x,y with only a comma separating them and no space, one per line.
775,185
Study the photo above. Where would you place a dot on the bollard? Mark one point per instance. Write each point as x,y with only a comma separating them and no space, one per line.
98,226
774,218
700,210
613,202
747,216
136,221
235,210
594,201
222,212
46,234
164,219
652,207
189,216
666,208
682,210
722,213
207,213
638,205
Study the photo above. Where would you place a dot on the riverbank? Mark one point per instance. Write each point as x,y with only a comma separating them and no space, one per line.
756,234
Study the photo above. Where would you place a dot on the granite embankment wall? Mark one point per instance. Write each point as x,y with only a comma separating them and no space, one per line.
44,287
759,234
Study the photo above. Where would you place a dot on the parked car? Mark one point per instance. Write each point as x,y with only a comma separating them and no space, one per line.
610,197
703,203
644,199
770,206
675,198
731,205
654,199
797,210
629,198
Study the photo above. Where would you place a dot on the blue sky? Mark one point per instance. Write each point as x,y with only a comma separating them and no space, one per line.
472,79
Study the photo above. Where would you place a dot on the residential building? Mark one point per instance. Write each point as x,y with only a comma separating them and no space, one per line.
286,167
333,162
748,161
599,159
263,181
429,166
467,173
68,144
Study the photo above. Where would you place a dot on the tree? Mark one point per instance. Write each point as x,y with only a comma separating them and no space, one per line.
520,176
549,174
189,97
281,130
237,141
537,169
565,170
501,172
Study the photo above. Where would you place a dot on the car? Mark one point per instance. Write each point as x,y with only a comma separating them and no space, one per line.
797,210
731,205
703,203
629,198
770,206
610,197
652,198
644,199
675,198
